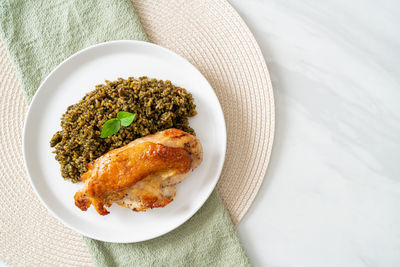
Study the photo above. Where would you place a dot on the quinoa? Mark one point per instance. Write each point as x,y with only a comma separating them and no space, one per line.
159,105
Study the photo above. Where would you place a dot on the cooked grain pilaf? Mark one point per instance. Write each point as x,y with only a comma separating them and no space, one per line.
159,105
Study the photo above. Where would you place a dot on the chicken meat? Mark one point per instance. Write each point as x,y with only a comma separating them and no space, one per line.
142,174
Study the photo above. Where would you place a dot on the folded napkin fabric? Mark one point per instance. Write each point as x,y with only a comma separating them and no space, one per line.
39,35
207,239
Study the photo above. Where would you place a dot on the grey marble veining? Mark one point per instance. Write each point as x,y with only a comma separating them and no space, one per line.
331,196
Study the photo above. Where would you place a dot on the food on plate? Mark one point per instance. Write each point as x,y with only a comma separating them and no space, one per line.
158,105
130,142
142,174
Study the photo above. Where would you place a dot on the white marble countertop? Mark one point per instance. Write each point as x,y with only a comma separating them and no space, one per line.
331,196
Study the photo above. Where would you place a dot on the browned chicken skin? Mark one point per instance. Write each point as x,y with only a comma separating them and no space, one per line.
142,174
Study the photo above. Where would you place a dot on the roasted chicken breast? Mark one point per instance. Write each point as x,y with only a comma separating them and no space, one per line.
142,174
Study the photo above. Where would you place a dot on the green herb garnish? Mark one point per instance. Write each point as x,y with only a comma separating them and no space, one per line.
112,126
126,118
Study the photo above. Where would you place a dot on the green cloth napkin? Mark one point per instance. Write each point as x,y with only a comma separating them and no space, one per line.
40,34
207,239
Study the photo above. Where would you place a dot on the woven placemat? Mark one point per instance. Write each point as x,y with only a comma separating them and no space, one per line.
212,36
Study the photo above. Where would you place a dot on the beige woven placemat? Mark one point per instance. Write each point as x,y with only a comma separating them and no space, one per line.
212,36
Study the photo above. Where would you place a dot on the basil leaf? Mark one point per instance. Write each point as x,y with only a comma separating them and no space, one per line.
126,118
110,127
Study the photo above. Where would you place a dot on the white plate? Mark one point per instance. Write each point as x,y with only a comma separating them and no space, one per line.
67,84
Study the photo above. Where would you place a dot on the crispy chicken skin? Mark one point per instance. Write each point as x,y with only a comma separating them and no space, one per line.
142,174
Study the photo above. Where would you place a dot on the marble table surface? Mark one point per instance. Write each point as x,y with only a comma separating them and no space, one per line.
331,196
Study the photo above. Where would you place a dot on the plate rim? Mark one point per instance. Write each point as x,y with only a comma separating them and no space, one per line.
25,133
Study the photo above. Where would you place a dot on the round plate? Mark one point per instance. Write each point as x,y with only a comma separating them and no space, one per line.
66,85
